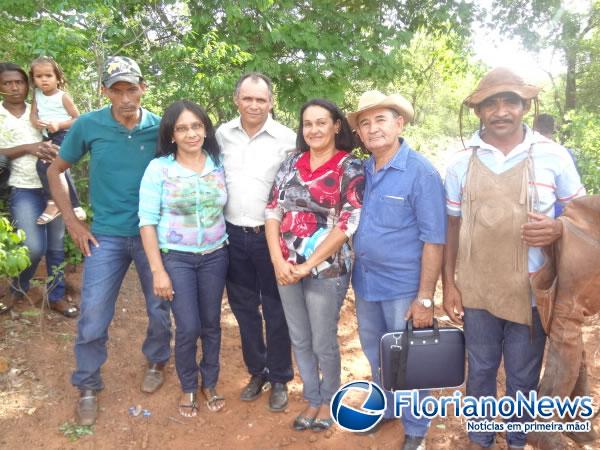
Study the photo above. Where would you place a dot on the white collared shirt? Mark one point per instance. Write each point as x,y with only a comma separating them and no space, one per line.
251,164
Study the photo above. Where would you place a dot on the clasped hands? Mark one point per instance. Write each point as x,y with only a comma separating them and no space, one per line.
287,273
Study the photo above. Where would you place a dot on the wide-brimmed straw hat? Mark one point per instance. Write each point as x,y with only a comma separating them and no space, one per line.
500,80
376,99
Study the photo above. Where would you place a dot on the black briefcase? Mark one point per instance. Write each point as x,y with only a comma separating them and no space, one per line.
422,358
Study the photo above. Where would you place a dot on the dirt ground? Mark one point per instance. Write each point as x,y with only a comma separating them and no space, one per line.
37,400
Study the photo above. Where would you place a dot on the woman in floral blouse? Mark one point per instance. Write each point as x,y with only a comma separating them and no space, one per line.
182,196
313,209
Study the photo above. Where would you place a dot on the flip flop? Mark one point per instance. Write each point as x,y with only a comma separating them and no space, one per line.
188,405
213,399
47,218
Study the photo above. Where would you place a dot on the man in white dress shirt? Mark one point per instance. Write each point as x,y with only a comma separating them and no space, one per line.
254,145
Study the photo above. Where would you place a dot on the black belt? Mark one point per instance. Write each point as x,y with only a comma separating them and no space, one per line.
254,230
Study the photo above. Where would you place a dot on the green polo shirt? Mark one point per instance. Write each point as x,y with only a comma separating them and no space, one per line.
118,159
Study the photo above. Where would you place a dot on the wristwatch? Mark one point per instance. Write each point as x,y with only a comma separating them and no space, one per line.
426,302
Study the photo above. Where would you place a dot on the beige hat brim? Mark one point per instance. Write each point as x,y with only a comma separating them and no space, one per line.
526,92
394,101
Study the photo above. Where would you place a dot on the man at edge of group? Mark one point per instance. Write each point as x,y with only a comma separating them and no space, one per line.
501,190
121,140
254,145
400,238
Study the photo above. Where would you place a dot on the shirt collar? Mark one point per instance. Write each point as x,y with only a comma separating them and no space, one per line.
303,165
145,120
530,139
178,170
25,114
398,161
268,126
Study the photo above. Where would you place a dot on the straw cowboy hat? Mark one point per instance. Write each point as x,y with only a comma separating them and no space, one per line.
376,99
500,80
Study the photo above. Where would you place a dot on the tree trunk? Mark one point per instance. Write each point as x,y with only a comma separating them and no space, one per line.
570,85
570,29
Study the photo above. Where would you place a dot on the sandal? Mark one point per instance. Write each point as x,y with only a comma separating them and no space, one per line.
65,308
47,217
213,399
188,405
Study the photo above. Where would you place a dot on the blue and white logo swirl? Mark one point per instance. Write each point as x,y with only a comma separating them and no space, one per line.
370,412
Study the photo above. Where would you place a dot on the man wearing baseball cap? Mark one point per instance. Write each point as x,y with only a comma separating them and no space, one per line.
399,242
501,190
121,140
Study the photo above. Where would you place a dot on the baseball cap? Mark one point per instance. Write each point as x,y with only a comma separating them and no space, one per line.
121,68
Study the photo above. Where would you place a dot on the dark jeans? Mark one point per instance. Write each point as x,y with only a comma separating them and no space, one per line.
487,340
250,285
42,170
103,273
25,206
198,282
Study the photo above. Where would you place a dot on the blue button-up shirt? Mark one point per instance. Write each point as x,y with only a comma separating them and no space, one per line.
403,207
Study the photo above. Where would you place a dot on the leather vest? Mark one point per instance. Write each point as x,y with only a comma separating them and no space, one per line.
492,269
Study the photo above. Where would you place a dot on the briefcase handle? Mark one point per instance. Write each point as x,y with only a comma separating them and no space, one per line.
423,338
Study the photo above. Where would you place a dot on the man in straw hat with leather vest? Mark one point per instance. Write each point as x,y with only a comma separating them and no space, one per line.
400,239
500,196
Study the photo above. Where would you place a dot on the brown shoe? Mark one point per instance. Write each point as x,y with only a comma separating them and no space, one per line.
87,407
65,308
153,378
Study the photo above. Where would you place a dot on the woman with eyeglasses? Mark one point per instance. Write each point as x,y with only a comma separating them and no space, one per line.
182,196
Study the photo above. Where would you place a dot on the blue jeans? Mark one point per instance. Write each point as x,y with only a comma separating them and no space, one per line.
312,310
26,205
198,282
374,320
487,340
251,284
103,273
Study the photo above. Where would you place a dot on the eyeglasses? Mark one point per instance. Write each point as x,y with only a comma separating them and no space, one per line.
195,127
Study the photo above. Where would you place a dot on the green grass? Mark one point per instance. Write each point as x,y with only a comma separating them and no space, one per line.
73,431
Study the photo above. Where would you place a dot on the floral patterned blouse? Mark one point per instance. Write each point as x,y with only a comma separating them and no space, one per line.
186,207
310,204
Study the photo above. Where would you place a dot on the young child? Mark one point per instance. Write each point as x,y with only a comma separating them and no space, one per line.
53,112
